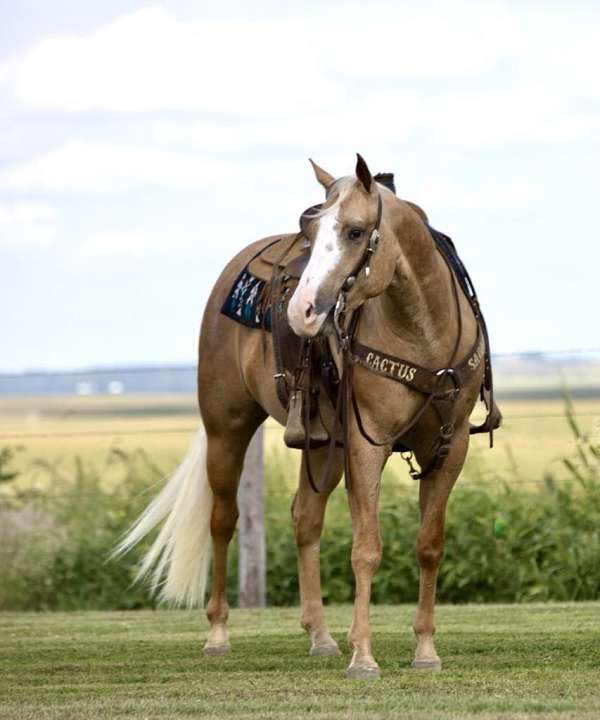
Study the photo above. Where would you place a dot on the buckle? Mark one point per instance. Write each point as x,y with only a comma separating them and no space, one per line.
408,456
450,373
441,456
373,241
447,431
338,321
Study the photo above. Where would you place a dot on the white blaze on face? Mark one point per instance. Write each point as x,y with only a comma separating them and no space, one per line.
325,255
324,258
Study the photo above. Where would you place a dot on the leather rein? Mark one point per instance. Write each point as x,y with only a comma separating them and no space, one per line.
441,387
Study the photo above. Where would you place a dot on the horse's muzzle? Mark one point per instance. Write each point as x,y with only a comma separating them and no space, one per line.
306,318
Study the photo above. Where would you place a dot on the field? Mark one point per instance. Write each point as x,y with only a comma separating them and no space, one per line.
520,661
534,437
517,662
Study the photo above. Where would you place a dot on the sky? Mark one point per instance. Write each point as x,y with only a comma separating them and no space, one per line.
143,145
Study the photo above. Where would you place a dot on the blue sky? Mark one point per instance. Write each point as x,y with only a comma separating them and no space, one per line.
144,144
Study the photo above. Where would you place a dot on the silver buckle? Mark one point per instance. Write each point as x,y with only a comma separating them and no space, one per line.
449,372
374,240
338,312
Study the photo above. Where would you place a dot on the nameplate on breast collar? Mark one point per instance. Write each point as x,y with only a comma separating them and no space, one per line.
389,366
394,368
477,356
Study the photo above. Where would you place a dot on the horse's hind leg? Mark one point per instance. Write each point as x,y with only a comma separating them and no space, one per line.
308,510
225,459
434,491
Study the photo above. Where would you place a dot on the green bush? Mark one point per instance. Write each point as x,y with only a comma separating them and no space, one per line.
59,555
504,543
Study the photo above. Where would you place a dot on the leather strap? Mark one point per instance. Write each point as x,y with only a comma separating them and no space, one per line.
369,251
277,306
411,374
436,395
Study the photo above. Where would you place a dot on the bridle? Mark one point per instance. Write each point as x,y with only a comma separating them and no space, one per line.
364,263
371,248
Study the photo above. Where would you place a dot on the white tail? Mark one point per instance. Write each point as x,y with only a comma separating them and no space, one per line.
178,560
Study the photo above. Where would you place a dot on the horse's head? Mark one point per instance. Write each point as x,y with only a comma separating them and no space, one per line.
349,250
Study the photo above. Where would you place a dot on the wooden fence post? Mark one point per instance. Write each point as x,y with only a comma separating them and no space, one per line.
252,571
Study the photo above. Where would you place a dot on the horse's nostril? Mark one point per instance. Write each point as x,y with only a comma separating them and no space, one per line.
309,311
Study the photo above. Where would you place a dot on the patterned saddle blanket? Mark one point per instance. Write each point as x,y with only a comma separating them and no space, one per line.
244,303
248,301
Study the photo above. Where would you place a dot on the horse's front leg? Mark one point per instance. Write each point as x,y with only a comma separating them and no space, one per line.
308,510
366,464
434,491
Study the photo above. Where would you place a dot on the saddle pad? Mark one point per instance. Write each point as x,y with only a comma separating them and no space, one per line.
243,302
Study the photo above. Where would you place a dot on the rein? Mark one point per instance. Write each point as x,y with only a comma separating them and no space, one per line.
345,395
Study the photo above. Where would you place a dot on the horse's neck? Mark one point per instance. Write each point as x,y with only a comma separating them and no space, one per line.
418,312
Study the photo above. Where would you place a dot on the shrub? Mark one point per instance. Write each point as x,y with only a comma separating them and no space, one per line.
503,543
60,556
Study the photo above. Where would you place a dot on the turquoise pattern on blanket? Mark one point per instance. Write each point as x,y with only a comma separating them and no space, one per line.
242,303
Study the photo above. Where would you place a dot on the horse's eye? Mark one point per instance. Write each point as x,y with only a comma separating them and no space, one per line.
354,233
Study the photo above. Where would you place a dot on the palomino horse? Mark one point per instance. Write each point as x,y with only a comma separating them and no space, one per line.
409,307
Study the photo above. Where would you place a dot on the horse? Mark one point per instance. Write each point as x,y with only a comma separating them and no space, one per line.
371,255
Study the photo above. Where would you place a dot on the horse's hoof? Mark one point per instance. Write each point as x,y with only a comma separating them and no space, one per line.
426,664
363,672
214,650
327,650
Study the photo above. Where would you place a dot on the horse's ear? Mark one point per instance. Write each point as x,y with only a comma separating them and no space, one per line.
363,173
322,175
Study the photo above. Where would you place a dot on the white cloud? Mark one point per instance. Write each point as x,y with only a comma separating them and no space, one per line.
149,61
336,81
25,212
454,196
386,117
112,243
82,165
480,118
433,43
26,223
183,154
466,119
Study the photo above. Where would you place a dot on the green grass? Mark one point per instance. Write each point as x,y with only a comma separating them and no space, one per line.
525,661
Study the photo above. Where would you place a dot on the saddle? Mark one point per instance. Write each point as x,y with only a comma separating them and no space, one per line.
306,378
289,255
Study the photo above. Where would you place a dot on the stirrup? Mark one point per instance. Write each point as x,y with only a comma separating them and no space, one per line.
295,435
295,432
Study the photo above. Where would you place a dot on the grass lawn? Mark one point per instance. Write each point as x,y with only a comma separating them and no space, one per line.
526,661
